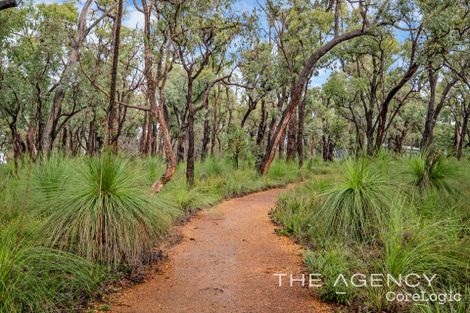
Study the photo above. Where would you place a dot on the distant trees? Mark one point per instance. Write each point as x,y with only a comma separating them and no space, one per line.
196,75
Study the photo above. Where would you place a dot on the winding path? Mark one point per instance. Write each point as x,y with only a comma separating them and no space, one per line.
226,263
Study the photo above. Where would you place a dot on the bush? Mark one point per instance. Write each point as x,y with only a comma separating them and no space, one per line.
355,206
428,171
103,214
39,279
331,263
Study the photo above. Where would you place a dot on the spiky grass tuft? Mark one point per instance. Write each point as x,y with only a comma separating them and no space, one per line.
39,279
103,214
355,206
431,171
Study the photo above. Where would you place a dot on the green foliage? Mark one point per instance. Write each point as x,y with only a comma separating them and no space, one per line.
104,214
356,205
429,170
412,236
237,144
331,263
39,279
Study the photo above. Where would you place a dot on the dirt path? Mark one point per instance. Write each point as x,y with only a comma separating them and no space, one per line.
225,263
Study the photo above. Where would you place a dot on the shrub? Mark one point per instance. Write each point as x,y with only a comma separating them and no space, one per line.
39,279
356,205
331,263
103,214
430,170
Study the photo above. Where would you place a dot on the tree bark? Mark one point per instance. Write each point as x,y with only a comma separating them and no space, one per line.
59,95
155,109
463,132
261,126
266,160
300,130
433,111
206,133
292,137
112,110
5,4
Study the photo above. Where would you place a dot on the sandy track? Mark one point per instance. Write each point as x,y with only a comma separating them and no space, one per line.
225,263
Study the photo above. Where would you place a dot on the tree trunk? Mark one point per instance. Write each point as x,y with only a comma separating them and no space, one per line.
292,138
155,109
261,126
143,138
49,132
433,110
300,130
190,153
215,123
91,142
112,110
463,132
268,157
5,4
383,114
206,130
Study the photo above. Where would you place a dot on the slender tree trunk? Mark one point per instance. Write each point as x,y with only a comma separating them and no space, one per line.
30,142
430,115
143,138
91,142
206,130
180,146
191,135
261,126
112,109
300,130
266,160
463,132
155,109
434,110
190,153
49,132
215,123
292,138
64,140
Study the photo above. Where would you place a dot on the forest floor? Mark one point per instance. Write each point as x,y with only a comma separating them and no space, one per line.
225,262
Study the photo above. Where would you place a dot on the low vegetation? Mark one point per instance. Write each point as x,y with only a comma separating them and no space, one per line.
70,226
369,217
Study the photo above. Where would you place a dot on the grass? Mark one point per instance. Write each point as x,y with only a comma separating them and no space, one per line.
87,219
357,204
431,171
368,216
102,213
39,279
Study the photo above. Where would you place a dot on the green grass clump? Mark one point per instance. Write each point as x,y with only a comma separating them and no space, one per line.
83,213
331,262
357,205
39,279
360,220
102,213
428,171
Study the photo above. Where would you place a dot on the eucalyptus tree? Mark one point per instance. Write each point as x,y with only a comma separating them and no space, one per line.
360,23
112,118
35,55
383,78
202,34
447,43
68,71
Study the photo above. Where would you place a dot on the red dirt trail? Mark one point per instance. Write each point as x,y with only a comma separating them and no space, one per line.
225,263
